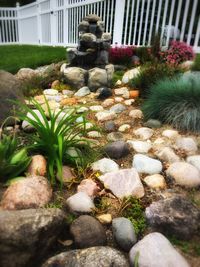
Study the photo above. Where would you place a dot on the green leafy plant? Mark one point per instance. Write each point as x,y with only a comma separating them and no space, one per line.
13,161
117,76
57,137
196,65
132,209
175,102
150,74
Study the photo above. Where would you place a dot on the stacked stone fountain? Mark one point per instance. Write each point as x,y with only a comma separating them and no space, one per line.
89,62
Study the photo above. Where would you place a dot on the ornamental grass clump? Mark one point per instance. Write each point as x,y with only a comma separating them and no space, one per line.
175,102
57,137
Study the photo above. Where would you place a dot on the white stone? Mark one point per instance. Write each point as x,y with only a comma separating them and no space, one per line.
167,155
51,92
82,110
83,91
136,114
118,82
94,134
194,160
105,115
140,146
124,128
108,102
155,181
96,108
130,74
119,99
123,183
187,144
145,164
144,133
171,134
184,174
129,102
155,250
105,165
123,91
80,202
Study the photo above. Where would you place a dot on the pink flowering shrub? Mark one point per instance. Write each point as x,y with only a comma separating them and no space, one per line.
121,54
177,53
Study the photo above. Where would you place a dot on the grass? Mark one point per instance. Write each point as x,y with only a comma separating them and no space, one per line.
14,57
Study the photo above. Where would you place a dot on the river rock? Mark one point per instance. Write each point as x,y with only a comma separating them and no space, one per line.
110,126
30,192
75,76
80,202
96,108
106,256
67,175
145,164
136,114
118,108
123,183
174,216
88,232
167,155
105,218
124,128
38,166
155,250
187,144
115,136
105,115
103,93
194,160
140,146
155,181
105,165
124,233
89,187
27,235
153,124
50,92
171,134
108,102
83,91
144,133
117,150
130,74
184,174
123,91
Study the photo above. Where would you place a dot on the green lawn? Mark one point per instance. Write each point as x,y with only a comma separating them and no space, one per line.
14,57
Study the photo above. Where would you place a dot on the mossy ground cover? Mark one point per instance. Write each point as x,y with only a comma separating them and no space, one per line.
14,57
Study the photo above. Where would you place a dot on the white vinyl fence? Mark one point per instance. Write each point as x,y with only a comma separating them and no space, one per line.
131,22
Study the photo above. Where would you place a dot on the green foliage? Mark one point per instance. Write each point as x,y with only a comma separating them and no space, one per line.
15,57
189,247
150,74
196,66
133,210
117,76
12,161
144,54
175,102
57,137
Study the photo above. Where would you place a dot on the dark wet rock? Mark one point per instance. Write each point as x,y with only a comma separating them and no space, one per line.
104,93
117,150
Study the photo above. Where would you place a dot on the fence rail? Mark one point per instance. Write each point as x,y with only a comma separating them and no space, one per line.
131,22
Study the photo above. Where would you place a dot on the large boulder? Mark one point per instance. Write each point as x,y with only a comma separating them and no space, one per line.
97,78
93,257
27,235
9,90
75,76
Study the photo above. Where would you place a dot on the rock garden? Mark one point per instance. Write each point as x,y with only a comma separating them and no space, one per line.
100,157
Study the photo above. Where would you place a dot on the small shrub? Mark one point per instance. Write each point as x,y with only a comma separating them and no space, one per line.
117,76
177,53
175,102
196,66
144,54
150,74
121,55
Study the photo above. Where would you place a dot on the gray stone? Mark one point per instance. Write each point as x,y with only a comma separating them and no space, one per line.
184,174
117,150
88,37
123,91
109,68
144,133
75,76
167,155
175,216
96,108
88,232
124,233
92,18
194,160
115,136
136,114
9,90
140,146
110,126
187,144
105,115
30,192
91,257
153,123
80,202
118,108
82,92
145,164
97,78
154,250
105,165
26,73
27,235
123,183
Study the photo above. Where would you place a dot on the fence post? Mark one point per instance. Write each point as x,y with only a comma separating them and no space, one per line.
66,26
118,21
53,22
19,24
39,30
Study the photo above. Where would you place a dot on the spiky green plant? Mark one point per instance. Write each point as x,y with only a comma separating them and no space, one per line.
12,161
56,136
175,102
